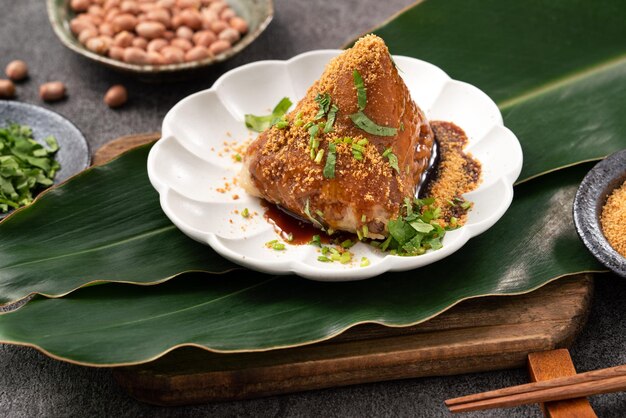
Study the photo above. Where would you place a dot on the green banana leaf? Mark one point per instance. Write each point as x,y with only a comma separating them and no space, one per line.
104,224
557,69
116,324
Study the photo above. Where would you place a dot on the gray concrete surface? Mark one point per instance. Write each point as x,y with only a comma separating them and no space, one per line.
34,385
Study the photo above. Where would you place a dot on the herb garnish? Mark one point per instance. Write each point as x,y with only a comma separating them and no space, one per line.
330,121
275,245
331,159
358,149
261,123
361,91
307,212
323,100
25,166
417,231
359,118
393,160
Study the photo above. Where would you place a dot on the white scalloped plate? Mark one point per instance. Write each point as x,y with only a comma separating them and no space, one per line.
189,164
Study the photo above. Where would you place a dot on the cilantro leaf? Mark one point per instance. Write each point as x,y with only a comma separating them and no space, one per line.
331,160
361,120
261,123
361,92
26,166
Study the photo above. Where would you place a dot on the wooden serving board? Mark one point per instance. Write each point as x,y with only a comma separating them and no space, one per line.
477,335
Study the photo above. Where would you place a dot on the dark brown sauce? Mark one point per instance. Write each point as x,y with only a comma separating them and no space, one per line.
297,231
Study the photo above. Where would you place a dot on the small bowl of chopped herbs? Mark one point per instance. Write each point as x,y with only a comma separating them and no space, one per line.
38,148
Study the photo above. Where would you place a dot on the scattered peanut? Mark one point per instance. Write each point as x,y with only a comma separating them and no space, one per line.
7,89
156,32
16,70
52,91
116,96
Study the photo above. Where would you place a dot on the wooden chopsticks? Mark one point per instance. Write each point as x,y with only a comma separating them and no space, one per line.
612,379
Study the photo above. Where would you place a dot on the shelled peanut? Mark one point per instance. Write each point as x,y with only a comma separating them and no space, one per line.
156,32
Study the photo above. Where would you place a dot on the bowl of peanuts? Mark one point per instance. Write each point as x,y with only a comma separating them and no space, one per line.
158,37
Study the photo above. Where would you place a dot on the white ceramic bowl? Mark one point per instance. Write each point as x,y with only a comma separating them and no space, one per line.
189,164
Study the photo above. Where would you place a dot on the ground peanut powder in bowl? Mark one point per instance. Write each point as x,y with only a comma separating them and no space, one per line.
613,219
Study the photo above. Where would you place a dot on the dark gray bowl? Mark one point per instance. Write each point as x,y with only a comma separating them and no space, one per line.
591,196
73,154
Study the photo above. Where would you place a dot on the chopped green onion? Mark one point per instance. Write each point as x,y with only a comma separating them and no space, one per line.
298,122
347,244
282,123
319,156
365,262
238,157
466,205
316,240
278,246
345,258
245,213
363,218
365,231
324,259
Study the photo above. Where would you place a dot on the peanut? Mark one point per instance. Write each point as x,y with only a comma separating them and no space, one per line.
204,38
123,39
134,55
99,45
196,53
229,34
191,18
116,96
117,53
80,5
219,46
150,30
184,32
124,21
156,45
140,42
227,14
17,70
155,58
87,34
182,43
218,26
52,91
239,24
173,55
7,89
160,15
